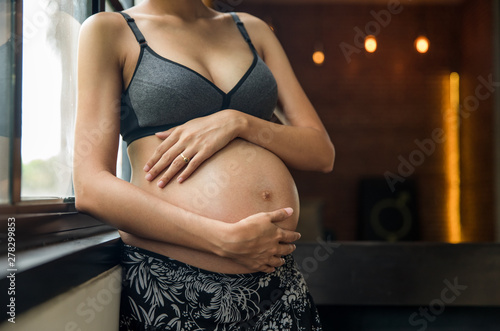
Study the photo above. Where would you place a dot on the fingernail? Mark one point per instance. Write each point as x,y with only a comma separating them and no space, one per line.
289,211
180,179
146,168
149,177
161,183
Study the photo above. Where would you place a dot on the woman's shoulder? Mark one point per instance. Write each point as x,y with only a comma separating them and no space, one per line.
253,22
106,32
104,24
260,32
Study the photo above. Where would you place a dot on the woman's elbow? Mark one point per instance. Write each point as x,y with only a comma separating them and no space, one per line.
329,160
80,204
81,198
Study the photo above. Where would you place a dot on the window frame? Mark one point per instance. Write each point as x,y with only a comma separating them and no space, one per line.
16,205
57,247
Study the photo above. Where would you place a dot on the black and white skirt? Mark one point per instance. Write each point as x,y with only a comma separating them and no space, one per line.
159,293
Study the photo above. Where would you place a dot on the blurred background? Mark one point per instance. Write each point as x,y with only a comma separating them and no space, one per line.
415,128
407,90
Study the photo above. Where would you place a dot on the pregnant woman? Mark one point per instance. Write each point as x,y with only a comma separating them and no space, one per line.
208,219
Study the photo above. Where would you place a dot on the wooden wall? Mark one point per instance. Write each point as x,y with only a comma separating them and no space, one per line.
375,106
477,130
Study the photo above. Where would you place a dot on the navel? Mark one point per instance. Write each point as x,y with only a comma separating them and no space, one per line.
266,195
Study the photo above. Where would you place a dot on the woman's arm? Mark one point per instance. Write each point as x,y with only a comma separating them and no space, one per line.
303,144
254,242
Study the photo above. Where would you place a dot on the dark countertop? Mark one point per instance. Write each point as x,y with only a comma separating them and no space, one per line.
409,274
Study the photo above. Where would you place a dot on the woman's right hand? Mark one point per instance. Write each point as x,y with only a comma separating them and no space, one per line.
258,242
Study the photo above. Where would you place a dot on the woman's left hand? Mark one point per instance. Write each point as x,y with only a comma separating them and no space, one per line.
197,140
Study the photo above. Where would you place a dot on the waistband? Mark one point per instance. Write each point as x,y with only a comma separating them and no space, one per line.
128,251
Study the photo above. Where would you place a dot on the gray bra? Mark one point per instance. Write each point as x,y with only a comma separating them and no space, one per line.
163,93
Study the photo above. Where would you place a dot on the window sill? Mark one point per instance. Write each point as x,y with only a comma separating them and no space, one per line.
38,206
54,253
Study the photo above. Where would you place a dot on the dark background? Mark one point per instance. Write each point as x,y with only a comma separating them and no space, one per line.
377,105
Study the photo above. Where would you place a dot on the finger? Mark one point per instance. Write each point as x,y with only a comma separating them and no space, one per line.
159,153
288,236
277,261
282,261
177,164
267,269
286,249
193,164
191,167
281,214
164,134
160,165
256,267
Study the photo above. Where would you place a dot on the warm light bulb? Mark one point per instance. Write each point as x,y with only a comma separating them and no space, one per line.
370,44
422,44
318,57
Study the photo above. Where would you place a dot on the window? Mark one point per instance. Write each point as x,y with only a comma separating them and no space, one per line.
38,98
38,48
50,38
47,106
6,96
38,59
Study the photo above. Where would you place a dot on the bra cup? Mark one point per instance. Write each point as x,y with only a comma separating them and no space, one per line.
163,93
258,96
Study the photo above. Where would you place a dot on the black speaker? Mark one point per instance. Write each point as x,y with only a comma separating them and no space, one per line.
387,215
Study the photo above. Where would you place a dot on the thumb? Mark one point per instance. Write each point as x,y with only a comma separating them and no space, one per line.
281,214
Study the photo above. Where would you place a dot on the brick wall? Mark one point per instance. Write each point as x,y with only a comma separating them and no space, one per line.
376,105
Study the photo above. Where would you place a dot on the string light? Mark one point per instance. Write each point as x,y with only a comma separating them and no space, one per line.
318,57
370,44
422,44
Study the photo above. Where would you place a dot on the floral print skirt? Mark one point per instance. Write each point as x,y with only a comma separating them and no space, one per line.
159,293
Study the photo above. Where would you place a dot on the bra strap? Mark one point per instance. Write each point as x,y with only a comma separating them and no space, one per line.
133,26
242,29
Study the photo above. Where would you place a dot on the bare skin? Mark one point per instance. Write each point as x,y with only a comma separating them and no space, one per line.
238,181
251,237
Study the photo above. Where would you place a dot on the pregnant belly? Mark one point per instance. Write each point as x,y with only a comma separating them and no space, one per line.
240,180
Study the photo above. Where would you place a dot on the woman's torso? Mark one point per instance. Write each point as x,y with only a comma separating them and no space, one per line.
240,180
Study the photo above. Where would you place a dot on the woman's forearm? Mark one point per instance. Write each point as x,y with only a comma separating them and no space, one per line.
140,213
303,148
